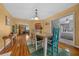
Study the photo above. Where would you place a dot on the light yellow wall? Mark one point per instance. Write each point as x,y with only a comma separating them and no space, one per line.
72,9
4,29
47,27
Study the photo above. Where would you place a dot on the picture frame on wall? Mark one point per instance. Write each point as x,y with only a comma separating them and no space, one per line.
7,20
37,26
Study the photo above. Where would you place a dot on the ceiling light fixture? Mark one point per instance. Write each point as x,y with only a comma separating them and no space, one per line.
36,15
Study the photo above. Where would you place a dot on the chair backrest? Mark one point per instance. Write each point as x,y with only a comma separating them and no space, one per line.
55,39
55,36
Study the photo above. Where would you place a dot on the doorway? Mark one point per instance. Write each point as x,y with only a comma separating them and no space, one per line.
20,29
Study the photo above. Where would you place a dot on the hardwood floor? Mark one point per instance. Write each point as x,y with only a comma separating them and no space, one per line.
73,50
20,50
20,47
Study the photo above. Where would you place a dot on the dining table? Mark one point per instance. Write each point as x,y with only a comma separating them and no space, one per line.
45,41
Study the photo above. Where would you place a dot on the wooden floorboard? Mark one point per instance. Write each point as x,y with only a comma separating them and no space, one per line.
73,50
20,48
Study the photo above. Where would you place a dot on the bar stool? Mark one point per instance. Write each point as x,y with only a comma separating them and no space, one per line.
12,37
4,39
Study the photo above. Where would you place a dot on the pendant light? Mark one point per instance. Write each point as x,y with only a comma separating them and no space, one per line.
36,15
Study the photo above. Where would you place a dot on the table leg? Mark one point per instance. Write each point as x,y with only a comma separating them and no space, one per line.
45,47
36,45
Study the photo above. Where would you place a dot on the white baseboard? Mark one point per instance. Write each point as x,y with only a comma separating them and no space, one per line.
68,42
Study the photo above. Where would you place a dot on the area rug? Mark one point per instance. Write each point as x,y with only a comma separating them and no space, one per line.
40,52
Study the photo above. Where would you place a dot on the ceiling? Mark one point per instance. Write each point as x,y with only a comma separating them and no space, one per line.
26,10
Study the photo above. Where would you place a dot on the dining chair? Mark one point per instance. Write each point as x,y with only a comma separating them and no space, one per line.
55,39
53,44
38,41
